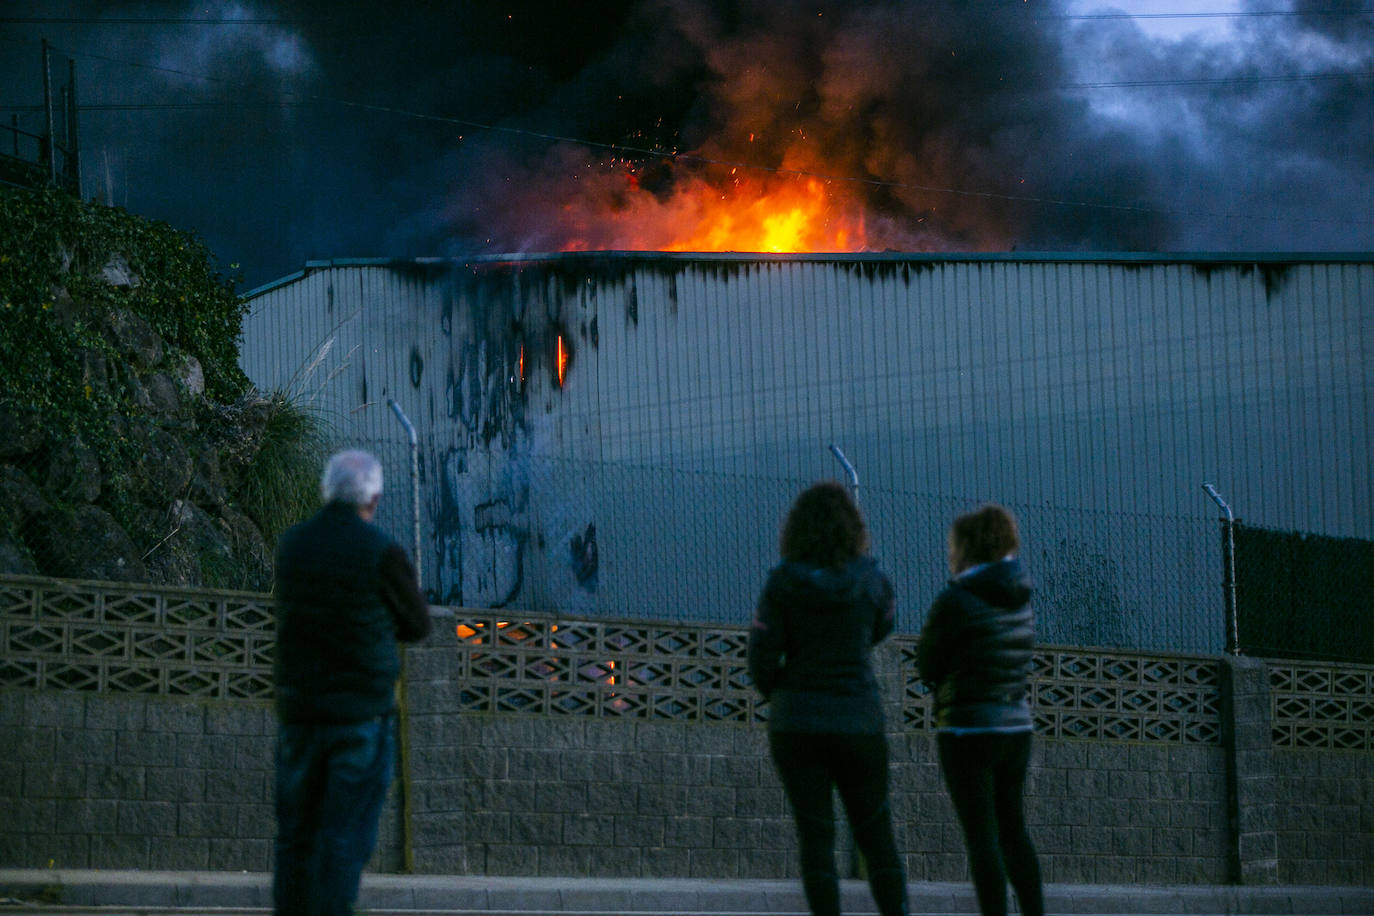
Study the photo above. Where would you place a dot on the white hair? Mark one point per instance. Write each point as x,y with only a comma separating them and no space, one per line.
353,477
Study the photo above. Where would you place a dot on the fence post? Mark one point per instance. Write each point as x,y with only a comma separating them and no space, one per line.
1251,787
71,166
51,153
402,683
1228,559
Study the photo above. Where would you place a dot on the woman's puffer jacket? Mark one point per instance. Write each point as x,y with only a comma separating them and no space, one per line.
976,649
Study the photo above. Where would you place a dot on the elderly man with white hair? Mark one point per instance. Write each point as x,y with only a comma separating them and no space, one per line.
346,593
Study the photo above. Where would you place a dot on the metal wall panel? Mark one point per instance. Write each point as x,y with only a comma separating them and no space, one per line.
702,391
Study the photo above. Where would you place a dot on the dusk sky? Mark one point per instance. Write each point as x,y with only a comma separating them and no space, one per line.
287,130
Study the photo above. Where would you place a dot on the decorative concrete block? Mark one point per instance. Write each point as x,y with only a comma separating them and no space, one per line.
501,859
179,853
587,829
174,784
201,819
145,748
737,832
446,829
53,709
687,831
714,863
616,862
535,828
43,780
35,815
492,827
167,716
561,797
237,787
86,815
257,821
638,830
660,799
204,750
115,712
119,851
149,819
77,745
240,855
611,798
62,850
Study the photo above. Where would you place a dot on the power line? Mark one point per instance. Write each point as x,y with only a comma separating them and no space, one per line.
318,101
675,156
1224,80
126,20
1230,14
1082,17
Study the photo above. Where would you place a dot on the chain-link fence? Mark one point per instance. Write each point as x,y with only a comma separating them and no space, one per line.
653,542
1304,595
649,542
696,546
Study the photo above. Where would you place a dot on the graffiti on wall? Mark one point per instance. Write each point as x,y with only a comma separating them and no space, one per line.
508,526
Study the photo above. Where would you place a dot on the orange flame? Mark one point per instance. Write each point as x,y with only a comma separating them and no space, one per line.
780,213
792,216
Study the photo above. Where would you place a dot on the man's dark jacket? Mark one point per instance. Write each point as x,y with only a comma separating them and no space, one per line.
810,646
345,594
976,649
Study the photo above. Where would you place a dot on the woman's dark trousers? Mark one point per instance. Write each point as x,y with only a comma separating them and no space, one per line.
811,767
985,774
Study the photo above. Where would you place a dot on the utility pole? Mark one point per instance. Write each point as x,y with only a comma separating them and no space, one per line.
72,164
50,154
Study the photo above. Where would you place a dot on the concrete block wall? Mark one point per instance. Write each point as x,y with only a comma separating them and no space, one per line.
123,781
1325,817
102,779
542,795
549,795
1099,813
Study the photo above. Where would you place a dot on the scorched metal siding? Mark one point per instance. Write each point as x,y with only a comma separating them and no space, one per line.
703,390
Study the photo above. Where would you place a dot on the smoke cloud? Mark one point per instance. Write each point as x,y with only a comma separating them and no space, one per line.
942,125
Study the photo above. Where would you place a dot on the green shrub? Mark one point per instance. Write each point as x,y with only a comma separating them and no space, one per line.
281,484
53,244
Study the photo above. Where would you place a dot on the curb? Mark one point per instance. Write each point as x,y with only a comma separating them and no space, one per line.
39,888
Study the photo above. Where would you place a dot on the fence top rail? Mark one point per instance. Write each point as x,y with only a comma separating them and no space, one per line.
131,588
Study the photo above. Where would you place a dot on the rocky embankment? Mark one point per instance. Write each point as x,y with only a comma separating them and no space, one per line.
155,499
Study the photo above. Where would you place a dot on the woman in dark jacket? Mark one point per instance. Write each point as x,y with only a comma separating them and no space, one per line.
822,610
975,654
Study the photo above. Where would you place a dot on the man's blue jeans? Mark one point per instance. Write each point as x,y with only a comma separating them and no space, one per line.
331,783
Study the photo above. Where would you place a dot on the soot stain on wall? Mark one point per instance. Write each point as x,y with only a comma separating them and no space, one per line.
417,367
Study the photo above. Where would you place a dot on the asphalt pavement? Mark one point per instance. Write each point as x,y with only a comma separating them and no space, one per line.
123,893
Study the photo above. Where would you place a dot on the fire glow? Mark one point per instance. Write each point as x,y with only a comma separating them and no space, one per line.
791,216
772,214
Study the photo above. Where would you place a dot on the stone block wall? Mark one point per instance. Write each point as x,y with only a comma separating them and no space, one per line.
117,781
1325,817
139,734
136,782
544,795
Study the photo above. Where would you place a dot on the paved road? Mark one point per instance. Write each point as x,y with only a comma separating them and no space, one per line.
124,893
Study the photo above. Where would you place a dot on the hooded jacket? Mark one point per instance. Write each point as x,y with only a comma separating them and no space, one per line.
810,643
976,648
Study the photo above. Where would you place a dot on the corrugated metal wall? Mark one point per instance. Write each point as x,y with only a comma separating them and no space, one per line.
1095,396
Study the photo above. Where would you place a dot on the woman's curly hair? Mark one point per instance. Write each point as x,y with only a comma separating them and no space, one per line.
982,536
823,527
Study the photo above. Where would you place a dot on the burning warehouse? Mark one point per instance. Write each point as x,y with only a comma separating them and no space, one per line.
619,433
